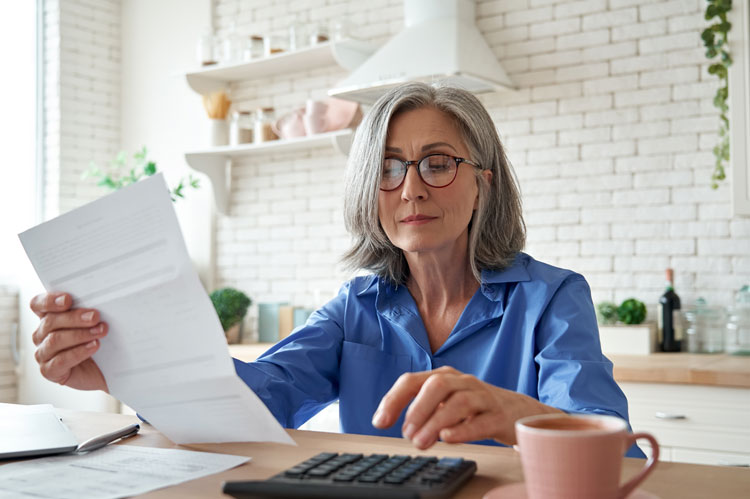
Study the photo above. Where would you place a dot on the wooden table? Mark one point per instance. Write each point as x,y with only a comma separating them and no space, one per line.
496,466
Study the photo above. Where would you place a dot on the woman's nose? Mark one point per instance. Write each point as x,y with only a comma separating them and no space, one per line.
413,187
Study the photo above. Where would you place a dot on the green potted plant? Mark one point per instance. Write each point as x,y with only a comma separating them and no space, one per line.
622,329
119,174
231,306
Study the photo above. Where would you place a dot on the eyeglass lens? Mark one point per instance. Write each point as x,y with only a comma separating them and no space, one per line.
436,170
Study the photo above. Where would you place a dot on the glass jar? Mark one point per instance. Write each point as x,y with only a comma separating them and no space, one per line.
274,44
318,34
738,325
241,128
205,49
253,48
232,47
264,119
706,325
340,29
298,37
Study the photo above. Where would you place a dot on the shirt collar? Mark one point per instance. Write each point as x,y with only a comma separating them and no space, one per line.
516,272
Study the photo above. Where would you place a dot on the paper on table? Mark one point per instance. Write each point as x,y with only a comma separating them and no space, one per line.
165,355
110,472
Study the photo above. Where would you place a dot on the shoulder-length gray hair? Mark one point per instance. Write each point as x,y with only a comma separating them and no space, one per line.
496,232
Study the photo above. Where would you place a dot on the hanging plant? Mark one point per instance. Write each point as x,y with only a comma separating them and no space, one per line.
715,38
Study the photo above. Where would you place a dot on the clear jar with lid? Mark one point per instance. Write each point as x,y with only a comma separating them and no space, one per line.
264,118
318,34
275,44
253,48
738,325
241,128
706,325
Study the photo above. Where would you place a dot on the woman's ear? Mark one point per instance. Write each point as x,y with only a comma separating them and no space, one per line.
486,176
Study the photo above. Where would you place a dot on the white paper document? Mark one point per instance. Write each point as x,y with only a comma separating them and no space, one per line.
165,354
111,472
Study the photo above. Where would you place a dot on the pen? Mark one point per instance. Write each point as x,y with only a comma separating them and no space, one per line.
102,440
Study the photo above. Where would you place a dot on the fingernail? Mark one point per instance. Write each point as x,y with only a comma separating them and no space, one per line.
423,441
98,329
60,300
87,316
91,344
409,430
377,419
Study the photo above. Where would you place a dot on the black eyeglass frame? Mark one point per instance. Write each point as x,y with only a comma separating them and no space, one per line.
407,164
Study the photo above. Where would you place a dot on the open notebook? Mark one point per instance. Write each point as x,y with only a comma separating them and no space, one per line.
33,430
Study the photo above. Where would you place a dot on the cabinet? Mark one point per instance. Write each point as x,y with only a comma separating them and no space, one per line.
216,162
693,423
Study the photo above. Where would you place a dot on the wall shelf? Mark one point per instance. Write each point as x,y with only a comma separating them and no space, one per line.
346,53
216,162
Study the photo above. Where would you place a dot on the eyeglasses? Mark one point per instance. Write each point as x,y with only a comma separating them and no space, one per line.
435,170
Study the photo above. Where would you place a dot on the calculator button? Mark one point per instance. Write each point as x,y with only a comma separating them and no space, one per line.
368,478
450,462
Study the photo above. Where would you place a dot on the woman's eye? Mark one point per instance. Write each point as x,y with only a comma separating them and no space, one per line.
391,170
437,165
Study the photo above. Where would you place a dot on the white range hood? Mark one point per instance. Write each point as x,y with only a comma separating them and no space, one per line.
439,42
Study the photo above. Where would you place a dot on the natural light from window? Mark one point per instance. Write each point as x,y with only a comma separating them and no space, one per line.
17,134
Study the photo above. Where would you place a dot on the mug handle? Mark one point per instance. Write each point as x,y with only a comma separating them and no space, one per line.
628,487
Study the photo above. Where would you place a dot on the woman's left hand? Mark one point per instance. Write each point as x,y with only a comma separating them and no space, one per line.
454,407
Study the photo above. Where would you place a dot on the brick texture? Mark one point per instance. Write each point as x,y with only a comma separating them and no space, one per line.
8,325
610,131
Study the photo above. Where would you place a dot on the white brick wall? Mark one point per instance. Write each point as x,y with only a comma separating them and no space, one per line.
610,132
8,324
82,97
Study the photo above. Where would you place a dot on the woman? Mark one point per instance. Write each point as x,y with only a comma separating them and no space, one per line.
454,318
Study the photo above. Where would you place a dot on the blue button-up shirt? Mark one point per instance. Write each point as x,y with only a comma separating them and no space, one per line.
530,328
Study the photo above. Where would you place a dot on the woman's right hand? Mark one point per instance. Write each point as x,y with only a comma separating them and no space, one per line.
66,338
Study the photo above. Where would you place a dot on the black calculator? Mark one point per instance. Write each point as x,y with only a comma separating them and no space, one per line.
332,475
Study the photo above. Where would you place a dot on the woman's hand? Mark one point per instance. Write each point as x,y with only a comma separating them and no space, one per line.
66,339
454,407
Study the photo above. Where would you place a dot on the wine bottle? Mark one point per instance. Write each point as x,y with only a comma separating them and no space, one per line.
670,321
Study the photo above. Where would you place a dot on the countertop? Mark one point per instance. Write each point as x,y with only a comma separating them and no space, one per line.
682,368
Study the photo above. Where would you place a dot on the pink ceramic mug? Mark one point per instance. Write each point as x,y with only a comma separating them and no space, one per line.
578,456
315,116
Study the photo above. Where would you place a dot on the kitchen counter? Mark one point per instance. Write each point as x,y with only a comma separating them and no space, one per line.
684,368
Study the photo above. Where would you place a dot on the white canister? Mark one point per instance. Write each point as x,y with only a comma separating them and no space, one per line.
219,132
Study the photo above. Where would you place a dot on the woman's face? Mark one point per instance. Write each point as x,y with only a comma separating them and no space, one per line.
416,217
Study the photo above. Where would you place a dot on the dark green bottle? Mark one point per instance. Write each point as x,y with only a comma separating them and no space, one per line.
670,321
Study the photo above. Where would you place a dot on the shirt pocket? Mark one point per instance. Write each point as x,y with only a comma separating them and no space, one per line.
367,373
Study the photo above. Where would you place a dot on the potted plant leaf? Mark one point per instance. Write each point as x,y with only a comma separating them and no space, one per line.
120,174
622,329
231,306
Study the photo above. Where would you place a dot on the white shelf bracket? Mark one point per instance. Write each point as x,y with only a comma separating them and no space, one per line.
343,143
218,168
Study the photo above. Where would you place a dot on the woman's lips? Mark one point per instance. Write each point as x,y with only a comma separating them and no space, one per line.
417,219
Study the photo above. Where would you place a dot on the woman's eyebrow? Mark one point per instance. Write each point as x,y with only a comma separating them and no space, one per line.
425,147
436,144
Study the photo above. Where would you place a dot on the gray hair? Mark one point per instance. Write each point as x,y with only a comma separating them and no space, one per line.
496,232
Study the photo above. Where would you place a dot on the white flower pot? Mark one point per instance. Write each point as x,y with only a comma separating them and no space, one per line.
628,340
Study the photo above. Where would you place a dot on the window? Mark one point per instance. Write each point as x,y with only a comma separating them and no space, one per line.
18,123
